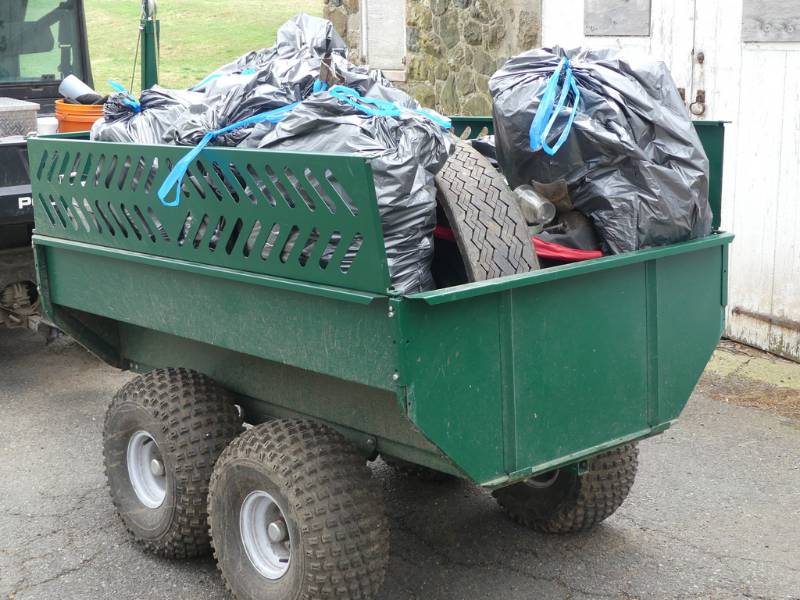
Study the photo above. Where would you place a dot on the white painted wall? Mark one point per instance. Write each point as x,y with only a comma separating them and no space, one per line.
755,86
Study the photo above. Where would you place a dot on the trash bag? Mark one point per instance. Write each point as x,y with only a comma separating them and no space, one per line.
302,35
485,144
631,158
147,121
308,51
405,152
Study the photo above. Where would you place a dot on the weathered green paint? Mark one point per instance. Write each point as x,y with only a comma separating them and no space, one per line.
475,125
312,332
236,206
506,377
495,380
711,133
220,272
603,351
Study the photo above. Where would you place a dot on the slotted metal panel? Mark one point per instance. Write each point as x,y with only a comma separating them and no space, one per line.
308,217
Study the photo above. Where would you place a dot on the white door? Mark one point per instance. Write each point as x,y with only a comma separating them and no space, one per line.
756,86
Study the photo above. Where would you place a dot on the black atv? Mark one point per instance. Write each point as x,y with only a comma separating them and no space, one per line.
41,43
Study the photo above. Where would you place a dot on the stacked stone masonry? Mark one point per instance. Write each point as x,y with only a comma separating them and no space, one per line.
452,46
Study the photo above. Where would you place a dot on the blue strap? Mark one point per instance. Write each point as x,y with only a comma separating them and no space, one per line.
129,99
175,178
319,86
441,121
203,83
547,113
382,108
213,76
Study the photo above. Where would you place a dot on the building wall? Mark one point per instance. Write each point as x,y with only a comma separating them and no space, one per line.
452,46
750,78
346,18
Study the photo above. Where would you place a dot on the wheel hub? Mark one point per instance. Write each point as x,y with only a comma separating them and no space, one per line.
146,470
265,535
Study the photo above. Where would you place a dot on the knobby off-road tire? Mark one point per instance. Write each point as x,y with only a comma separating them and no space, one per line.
564,502
490,231
184,420
322,501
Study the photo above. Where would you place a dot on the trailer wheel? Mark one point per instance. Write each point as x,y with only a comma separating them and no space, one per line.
163,432
294,513
562,501
481,210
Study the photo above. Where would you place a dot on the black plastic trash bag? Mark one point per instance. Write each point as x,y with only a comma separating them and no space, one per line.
296,60
632,160
308,53
151,120
406,151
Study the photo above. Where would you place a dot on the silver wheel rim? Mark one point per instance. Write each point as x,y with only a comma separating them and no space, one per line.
544,480
146,470
265,535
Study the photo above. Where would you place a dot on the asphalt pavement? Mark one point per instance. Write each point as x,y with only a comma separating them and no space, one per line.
714,513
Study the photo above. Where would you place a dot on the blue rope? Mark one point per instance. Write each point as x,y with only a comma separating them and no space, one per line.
175,178
547,112
378,107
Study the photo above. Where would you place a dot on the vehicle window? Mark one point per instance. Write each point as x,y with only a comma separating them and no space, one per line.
39,40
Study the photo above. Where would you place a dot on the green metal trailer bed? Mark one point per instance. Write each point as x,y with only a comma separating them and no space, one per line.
242,290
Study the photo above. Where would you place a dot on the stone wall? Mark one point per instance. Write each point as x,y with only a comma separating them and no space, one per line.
453,46
346,18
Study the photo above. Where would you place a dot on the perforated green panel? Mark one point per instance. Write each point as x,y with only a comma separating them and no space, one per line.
308,217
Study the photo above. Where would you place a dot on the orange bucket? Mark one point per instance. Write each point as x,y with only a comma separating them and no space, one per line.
77,117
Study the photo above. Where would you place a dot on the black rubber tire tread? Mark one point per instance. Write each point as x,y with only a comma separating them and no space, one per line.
593,496
408,469
491,233
344,526
199,419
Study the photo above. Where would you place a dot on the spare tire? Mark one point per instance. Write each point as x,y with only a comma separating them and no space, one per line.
491,235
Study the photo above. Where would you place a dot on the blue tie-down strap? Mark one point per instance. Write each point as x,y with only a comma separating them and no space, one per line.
209,78
129,99
378,107
206,80
175,177
546,114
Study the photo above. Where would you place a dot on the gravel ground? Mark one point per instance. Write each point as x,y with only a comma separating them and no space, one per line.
715,512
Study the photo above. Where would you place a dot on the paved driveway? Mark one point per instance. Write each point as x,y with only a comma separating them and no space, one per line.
715,512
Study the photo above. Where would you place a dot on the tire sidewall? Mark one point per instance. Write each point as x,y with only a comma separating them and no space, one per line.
145,523
234,482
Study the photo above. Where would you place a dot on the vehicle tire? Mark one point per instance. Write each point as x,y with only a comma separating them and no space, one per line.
163,433
562,501
294,513
481,210
409,469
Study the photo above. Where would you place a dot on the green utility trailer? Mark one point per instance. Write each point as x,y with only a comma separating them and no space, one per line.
238,306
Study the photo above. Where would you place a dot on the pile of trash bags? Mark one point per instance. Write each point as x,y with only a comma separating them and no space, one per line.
322,103
597,143
610,127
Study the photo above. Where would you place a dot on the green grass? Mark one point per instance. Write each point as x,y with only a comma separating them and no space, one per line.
197,36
